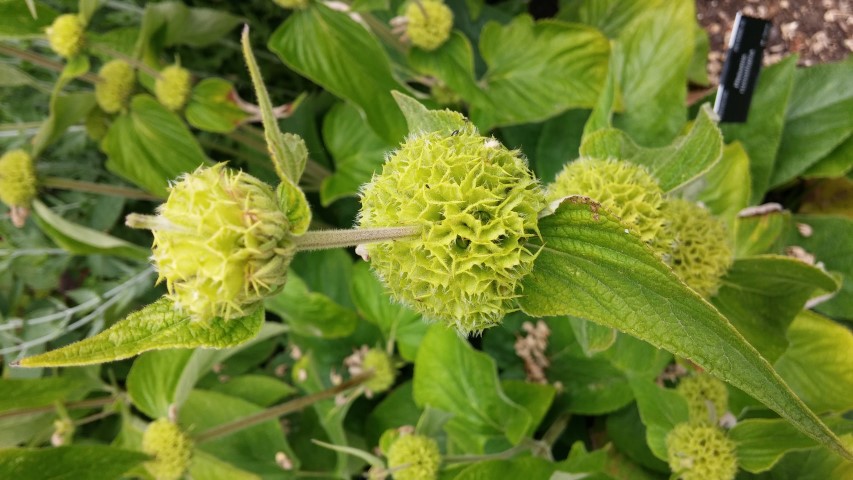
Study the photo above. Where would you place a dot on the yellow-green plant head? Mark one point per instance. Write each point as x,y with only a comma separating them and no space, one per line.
221,242
17,179
477,204
707,398
414,457
384,372
116,82
66,35
292,4
627,190
429,23
171,448
700,452
696,245
172,87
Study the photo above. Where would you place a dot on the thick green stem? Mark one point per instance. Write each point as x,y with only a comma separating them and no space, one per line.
280,410
324,239
98,188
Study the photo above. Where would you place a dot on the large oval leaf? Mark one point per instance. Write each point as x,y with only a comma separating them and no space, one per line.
591,267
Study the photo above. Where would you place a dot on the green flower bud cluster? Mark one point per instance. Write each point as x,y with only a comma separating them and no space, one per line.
170,447
293,4
117,80
17,179
414,457
702,392
625,189
477,204
172,87
429,23
66,35
221,242
696,244
700,452
384,372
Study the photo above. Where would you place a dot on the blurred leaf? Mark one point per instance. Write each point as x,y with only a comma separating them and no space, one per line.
814,464
609,16
150,146
451,376
65,110
726,187
762,442
211,107
761,133
81,240
528,467
759,234
33,392
80,462
157,326
837,163
16,21
829,196
311,313
761,295
261,390
592,337
398,408
697,72
536,398
818,118
12,76
87,8
626,430
166,24
205,466
346,60
358,152
661,410
610,277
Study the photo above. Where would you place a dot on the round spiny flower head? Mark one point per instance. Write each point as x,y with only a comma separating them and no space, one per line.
170,447
414,457
703,392
700,452
294,4
627,190
477,204
17,179
172,87
384,372
429,23
696,245
221,242
65,35
117,79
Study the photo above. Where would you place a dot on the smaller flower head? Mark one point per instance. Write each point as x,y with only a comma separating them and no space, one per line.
695,244
429,23
292,4
221,242
66,35
707,398
117,79
172,87
170,447
17,183
700,452
384,372
414,457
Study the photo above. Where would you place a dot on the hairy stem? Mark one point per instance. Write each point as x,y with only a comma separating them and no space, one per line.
99,188
323,239
280,410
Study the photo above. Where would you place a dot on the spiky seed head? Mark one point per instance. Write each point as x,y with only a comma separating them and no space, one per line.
696,245
384,372
66,35
477,204
414,457
707,398
429,23
17,179
117,80
172,87
171,448
700,452
625,189
221,242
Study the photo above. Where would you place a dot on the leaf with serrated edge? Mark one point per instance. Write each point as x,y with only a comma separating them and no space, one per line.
590,266
155,327
422,120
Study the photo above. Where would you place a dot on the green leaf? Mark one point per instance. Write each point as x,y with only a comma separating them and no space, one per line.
16,21
761,133
155,327
166,24
536,398
818,364
758,234
592,386
592,337
422,120
310,313
661,410
12,76
761,295
451,376
294,204
162,378
395,410
697,72
814,464
393,319
65,110
626,430
528,467
33,392
81,240
726,187
655,97
87,8
837,163
762,442
590,267
609,16
346,60
205,466
149,145
358,152
80,462
261,390
212,108
818,118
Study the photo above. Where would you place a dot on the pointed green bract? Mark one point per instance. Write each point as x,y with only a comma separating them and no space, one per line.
592,267
422,120
155,327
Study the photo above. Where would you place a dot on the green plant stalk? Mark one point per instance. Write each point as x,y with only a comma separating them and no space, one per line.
82,404
280,410
323,239
98,188
43,61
